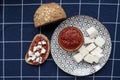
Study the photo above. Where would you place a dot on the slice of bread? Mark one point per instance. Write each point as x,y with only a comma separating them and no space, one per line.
48,13
47,51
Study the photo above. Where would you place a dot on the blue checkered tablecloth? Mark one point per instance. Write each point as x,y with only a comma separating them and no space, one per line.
17,31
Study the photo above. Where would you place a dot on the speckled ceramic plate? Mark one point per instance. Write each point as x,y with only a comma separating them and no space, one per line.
64,59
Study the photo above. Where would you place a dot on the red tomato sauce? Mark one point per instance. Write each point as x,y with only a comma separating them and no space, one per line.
70,38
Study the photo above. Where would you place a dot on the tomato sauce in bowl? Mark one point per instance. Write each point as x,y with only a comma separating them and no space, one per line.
70,38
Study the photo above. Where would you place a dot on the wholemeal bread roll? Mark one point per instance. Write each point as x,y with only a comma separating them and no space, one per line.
48,13
38,38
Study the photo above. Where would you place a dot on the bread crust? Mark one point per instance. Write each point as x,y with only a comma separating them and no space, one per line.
48,13
47,53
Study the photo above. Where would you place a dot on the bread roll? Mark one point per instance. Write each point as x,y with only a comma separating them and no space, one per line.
32,57
48,13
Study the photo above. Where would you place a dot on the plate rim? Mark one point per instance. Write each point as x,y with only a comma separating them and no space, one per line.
109,46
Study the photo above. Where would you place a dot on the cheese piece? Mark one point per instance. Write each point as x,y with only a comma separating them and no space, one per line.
81,48
92,32
33,57
39,47
34,48
96,59
87,40
97,52
43,42
90,47
78,57
82,53
39,43
89,58
99,41
37,54
43,50
28,59
30,53
37,59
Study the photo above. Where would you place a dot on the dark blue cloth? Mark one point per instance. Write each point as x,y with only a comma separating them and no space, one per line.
11,22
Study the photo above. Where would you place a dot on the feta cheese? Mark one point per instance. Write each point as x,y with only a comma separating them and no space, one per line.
96,59
37,59
39,47
92,32
30,53
33,57
37,54
39,43
99,41
78,57
34,48
43,50
87,40
28,59
82,53
90,47
89,58
43,42
97,52
81,48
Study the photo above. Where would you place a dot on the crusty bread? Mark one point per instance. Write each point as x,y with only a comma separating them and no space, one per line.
48,51
48,13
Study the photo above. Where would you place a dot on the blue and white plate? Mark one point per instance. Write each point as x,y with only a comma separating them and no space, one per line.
64,59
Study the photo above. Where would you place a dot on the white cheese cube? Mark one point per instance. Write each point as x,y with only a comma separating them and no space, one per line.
37,54
43,42
96,59
28,59
78,57
90,47
33,57
87,40
81,48
43,51
82,53
99,41
92,32
39,47
30,53
97,52
34,48
37,59
92,40
39,43
89,58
